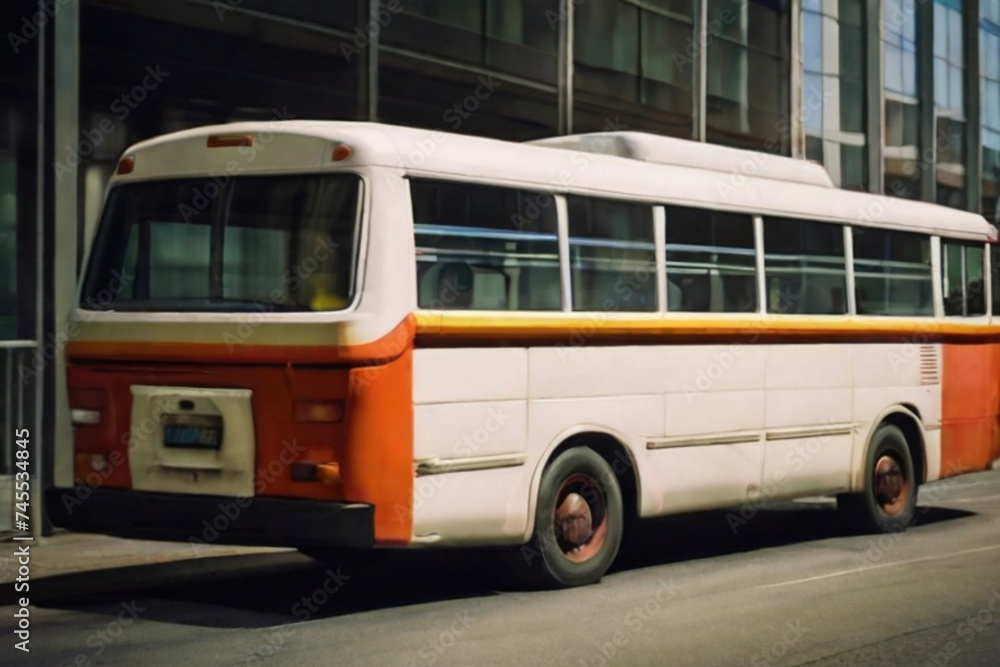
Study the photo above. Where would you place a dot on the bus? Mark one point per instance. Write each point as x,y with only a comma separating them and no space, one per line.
356,336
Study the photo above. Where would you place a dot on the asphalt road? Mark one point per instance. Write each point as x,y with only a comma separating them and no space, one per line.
788,587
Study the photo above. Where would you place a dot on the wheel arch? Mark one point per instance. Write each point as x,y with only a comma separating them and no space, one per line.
610,446
906,417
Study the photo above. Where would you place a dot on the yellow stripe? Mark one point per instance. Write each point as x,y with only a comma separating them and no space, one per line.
502,323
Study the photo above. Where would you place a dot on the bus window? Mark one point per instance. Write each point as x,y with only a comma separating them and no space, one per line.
804,267
612,255
485,248
711,264
995,276
962,279
256,242
892,273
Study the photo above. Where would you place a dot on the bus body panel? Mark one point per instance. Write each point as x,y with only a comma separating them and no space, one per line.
134,428
970,428
450,417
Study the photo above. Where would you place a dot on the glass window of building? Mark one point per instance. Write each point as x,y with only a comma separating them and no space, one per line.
902,111
458,13
8,229
638,58
517,36
338,15
989,49
834,88
949,102
748,72
530,23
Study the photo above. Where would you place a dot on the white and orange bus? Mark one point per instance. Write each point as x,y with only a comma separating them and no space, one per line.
354,335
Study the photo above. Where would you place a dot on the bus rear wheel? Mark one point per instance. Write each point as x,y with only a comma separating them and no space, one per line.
578,523
888,501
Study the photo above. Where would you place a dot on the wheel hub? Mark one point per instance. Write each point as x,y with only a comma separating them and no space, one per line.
574,520
888,480
580,518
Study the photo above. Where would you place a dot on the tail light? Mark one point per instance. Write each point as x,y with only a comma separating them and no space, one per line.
328,412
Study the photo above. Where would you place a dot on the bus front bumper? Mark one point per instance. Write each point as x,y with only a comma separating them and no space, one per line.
257,521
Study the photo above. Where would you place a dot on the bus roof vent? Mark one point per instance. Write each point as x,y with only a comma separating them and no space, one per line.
694,154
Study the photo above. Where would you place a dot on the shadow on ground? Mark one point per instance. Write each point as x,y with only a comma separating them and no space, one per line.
265,590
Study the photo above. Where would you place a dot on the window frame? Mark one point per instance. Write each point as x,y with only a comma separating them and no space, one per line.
629,245
756,249
932,269
964,246
558,210
807,262
659,215
84,297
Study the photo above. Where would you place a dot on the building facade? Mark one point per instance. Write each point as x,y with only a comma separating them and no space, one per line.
896,96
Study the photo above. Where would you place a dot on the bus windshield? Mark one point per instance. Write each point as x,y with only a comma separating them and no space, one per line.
230,244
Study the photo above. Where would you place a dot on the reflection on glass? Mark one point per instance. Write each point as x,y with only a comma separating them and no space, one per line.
834,100
748,72
607,35
804,267
962,279
989,45
892,273
902,112
485,248
612,255
949,103
711,264
257,242
635,56
8,247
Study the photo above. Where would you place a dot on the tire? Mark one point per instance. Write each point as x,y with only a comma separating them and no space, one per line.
578,524
888,502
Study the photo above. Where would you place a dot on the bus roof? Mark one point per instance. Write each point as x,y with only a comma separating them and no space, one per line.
692,154
632,165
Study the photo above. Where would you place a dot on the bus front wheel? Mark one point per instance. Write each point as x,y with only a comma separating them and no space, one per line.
578,523
888,501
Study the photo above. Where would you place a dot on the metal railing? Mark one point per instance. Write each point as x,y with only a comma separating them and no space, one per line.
15,403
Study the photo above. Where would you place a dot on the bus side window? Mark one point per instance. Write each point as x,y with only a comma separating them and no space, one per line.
611,255
505,238
455,286
539,288
962,278
892,273
805,267
711,260
995,276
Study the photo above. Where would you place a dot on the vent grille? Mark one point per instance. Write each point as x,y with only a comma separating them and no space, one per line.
930,366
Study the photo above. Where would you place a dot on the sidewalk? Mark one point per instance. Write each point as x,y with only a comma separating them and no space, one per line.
69,553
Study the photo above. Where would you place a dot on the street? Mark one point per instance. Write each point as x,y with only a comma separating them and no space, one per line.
781,586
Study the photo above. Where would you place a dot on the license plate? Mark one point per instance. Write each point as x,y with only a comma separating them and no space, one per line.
195,432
